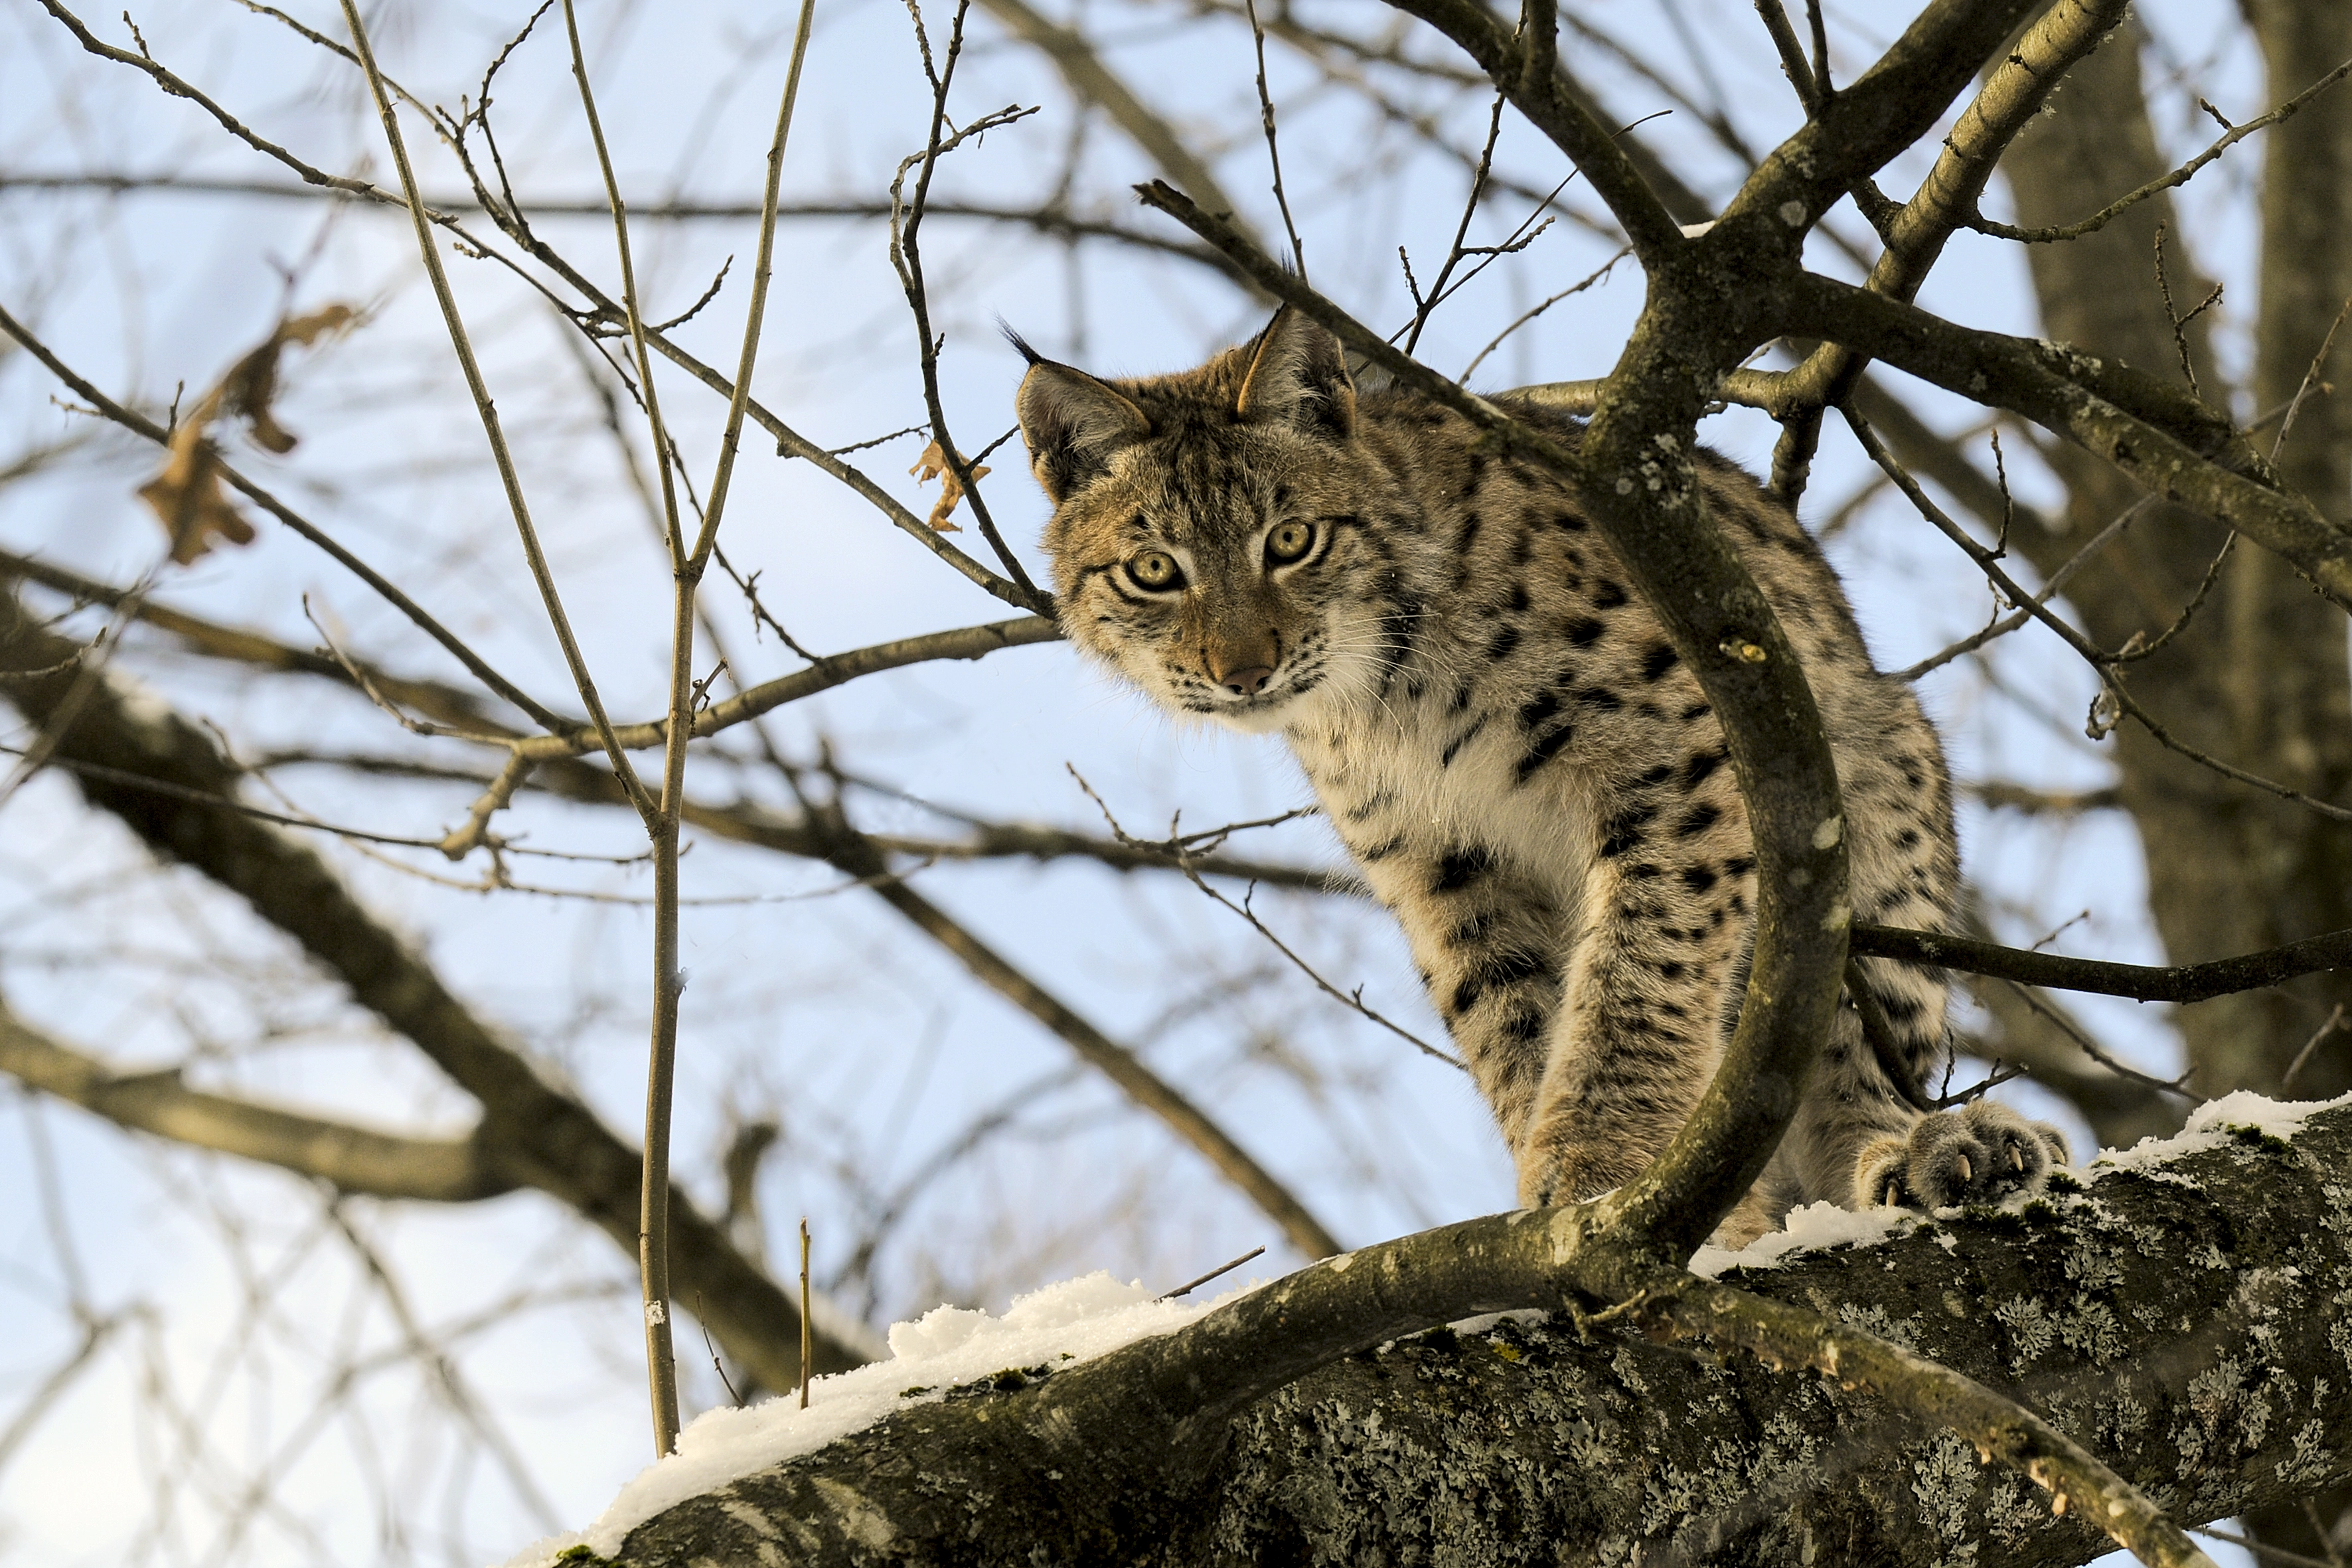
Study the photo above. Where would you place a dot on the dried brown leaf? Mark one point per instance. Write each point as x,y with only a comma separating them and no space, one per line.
187,496
251,384
933,465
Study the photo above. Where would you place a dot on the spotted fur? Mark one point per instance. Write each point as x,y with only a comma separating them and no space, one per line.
1507,742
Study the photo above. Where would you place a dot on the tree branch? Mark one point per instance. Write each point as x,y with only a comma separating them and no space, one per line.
1271,1428
2157,435
2012,95
549,1139
2143,983
351,1158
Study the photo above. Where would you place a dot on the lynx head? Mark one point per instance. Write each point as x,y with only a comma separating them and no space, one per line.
1206,536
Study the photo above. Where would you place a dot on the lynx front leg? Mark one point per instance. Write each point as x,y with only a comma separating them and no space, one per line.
1637,1041
1488,940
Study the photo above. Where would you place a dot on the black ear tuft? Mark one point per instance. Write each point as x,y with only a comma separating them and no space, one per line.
1073,424
1019,342
1298,376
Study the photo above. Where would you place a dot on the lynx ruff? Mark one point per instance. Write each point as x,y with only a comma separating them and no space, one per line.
1504,740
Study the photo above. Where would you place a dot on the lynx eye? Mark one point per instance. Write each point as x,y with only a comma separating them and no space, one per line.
1155,571
1288,542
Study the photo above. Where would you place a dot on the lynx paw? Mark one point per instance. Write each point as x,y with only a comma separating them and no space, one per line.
1978,1156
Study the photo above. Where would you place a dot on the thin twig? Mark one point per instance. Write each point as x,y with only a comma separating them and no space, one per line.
2172,314
2267,1553
808,1356
907,259
2114,699
2335,1022
1454,252
2310,380
2137,648
1273,145
540,572
2097,1052
718,1366
1184,864
2230,138
1223,1269
1598,275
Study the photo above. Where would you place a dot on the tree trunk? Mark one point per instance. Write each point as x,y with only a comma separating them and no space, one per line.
2259,677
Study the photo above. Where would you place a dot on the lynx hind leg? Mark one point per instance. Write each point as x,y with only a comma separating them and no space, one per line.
1981,1155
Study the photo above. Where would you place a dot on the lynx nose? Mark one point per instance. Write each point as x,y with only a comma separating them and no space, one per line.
1247,682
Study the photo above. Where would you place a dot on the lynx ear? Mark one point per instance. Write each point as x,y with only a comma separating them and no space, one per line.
1073,424
1300,376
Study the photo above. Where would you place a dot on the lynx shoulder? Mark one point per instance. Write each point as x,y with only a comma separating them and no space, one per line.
1506,740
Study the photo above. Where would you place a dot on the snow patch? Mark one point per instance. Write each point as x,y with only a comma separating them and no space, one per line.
1470,1328
2210,1127
1813,1229
1057,1326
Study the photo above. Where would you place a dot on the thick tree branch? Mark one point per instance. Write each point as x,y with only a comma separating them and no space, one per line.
2014,93
351,1158
1271,1427
2157,435
1859,127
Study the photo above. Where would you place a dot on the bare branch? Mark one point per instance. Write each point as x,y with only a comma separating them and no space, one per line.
556,618
350,1157
433,629
2178,177
2177,983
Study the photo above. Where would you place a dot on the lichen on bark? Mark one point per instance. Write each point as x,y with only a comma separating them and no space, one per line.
2190,1322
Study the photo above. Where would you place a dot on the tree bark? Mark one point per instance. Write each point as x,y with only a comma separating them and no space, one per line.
2191,1324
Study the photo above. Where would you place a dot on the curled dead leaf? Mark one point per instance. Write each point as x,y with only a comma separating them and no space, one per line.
251,384
933,465
188,496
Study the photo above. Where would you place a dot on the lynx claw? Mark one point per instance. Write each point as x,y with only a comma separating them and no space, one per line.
1981,1155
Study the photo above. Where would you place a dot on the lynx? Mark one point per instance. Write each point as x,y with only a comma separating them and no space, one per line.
1506,742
